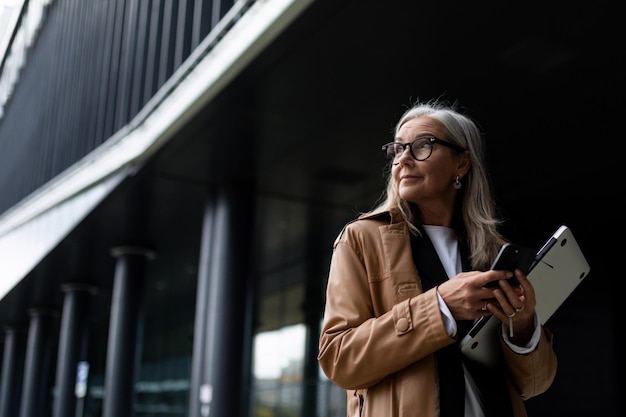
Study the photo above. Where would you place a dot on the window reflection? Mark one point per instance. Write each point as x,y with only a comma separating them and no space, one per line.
278,370
278,361
279,353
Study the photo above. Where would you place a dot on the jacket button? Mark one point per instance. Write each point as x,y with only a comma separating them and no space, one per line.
402,324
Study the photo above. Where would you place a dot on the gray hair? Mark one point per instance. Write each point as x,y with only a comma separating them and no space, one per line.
476,208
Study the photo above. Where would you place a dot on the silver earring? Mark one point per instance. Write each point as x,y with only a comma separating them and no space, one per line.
457,183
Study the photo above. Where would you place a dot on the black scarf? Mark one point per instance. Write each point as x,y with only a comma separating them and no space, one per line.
450,360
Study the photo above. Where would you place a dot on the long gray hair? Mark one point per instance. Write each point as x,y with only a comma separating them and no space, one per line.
476,208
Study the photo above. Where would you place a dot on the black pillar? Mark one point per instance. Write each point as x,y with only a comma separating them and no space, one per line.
71,339
197,399
124,342
317,271
36,367
311,367
12,368
223,309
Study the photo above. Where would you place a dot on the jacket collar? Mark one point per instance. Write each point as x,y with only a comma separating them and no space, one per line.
394,216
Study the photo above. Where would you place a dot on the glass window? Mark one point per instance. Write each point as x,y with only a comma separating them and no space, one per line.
278,361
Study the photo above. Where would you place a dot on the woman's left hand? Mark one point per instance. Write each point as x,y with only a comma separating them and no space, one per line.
515,307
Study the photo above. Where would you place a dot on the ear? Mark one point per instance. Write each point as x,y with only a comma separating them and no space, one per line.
464,163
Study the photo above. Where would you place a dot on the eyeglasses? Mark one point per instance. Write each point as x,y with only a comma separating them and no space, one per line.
421,148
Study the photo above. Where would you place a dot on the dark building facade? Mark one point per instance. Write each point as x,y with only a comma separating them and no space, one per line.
173,175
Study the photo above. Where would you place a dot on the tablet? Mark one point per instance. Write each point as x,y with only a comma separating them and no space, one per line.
558,268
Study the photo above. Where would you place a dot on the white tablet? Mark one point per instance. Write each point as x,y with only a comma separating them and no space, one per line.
559,267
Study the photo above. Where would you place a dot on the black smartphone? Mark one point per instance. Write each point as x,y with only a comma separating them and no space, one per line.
510,257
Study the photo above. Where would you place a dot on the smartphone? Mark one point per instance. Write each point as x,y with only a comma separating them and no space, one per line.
511,257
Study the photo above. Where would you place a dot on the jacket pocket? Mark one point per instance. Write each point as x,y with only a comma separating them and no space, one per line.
407,290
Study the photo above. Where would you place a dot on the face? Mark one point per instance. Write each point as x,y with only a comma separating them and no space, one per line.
428,183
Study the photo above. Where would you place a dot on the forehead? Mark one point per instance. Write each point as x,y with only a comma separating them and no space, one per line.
420,126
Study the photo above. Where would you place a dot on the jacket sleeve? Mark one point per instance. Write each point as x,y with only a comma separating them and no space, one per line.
532,374
360,346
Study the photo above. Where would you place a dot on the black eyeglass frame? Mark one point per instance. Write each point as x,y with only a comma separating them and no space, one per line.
432,140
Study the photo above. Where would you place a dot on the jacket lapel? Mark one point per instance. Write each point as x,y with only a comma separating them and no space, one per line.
431,271
429,267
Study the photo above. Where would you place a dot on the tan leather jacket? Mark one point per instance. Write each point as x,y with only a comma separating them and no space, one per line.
380,330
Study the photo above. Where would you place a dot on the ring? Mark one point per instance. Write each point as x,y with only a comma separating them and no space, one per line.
511,315
519,310
485,306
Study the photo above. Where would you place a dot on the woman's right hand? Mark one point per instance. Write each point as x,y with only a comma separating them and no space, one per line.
467,295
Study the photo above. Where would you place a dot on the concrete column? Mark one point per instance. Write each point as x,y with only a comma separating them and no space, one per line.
12,370
224,306
313,306
36,368
124,342
71,339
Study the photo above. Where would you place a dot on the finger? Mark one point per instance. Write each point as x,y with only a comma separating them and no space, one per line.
528,290
511,291
502,299
492,278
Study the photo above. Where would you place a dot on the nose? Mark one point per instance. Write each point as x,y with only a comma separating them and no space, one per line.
406,153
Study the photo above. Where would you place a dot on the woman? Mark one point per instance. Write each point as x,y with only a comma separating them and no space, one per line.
406,279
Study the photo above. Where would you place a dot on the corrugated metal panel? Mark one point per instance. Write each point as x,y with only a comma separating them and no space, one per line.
92,67
211,67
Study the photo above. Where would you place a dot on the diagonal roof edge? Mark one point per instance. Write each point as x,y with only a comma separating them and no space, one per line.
46,216
223,54
23,247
